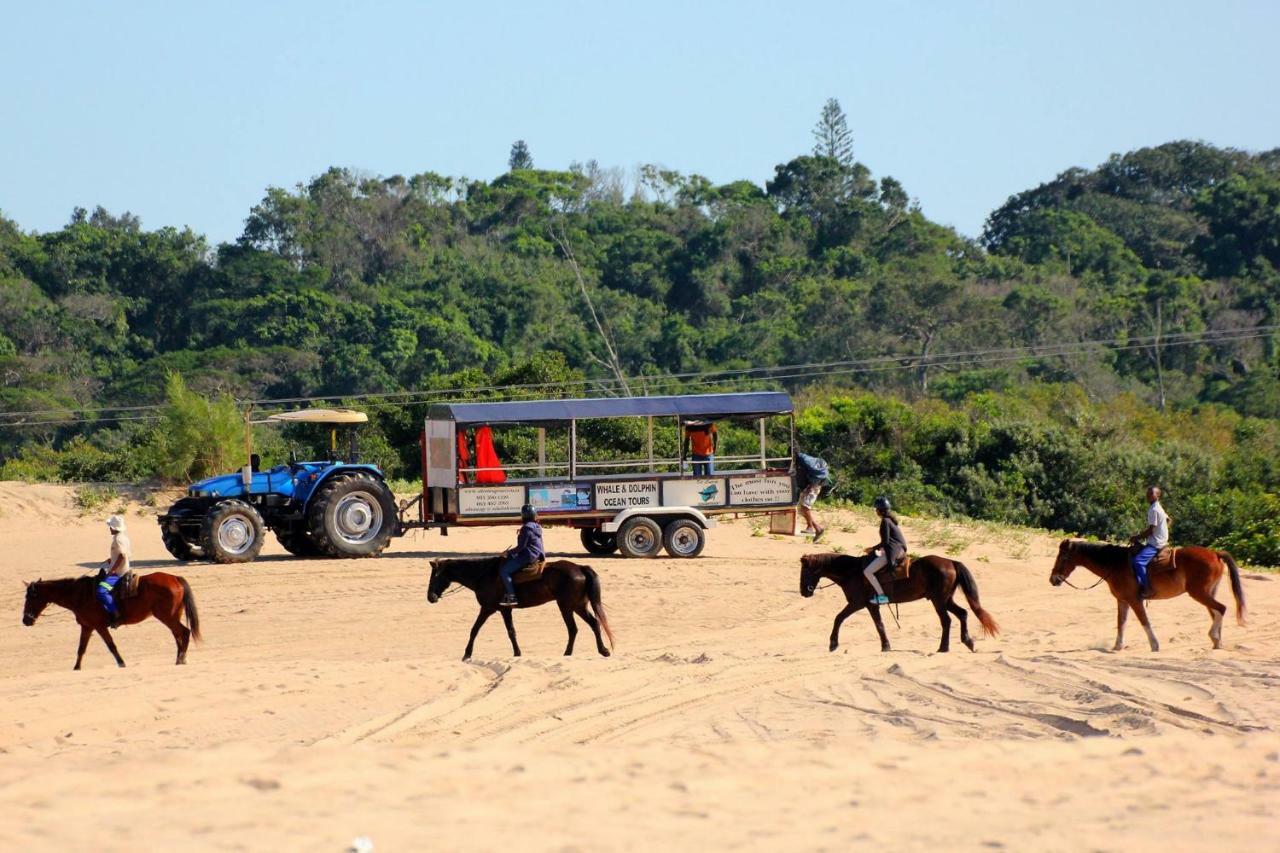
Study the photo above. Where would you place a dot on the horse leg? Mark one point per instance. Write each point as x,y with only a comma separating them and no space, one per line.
835,627
111,644
85,632
1140,609
1217,610
566,612
511,630
594,624
181,636
963,616
874,610
945,618
485,613
1122,613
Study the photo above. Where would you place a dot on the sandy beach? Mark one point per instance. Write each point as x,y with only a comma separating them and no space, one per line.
329,701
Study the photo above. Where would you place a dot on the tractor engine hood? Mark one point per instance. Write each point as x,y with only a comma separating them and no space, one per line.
222,486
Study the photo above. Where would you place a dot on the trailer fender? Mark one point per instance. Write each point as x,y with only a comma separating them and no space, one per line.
658,513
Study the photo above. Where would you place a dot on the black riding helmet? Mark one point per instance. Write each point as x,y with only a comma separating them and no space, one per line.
528,513
881,504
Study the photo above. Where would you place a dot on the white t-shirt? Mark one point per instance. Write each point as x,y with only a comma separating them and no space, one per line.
1158,521
120,547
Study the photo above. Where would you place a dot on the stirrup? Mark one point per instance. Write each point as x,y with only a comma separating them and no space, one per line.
508,601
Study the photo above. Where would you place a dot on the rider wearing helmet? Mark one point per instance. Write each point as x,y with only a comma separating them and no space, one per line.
528,551
892,548
116,565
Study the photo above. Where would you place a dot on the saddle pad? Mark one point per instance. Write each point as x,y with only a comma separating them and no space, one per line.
531,572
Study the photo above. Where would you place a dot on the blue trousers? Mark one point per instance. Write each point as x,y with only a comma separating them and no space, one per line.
509,567
104,593
1140,562
701,465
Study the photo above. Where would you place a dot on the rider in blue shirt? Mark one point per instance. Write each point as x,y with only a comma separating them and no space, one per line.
528,551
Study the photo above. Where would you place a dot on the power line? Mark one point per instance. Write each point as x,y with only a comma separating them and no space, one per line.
874,364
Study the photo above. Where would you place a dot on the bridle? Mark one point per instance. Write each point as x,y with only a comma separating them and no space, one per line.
1064,579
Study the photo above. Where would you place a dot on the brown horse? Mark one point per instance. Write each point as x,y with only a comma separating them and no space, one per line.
570,585
934,578
1196,571
163,596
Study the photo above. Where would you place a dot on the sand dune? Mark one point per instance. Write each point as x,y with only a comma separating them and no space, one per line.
329,701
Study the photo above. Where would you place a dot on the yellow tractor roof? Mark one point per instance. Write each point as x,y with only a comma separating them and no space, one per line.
322,416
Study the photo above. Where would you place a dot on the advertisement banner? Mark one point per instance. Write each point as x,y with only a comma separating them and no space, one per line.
490,500
760,491
624,495
560,497
702,492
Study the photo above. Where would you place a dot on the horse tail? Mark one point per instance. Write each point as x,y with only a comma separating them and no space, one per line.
593,596
189,607
1236,589
970,588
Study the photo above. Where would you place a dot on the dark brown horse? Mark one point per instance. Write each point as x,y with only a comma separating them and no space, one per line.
1195,571
934,578
163,596
569,585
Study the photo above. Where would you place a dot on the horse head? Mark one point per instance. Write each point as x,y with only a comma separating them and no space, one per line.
810,574
1065,564
440,580
34,604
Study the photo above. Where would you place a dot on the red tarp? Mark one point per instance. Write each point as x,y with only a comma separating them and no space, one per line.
490,467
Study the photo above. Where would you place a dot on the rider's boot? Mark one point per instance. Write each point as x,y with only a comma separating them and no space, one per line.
508,600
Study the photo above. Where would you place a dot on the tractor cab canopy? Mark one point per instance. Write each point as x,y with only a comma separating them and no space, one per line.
320,416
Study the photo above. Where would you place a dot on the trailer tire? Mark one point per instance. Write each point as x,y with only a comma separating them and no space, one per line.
232,532
640,536
598,542
684,538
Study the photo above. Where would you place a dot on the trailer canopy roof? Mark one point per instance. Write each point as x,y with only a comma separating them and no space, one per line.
710,406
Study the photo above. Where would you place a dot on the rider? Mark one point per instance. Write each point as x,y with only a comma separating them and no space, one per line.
892,548
116,565
528,551
1154,537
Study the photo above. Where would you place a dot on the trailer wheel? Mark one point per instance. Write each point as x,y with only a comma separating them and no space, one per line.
598,542
684,537
232,533
640,536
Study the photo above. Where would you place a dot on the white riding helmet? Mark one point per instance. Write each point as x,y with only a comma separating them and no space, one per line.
115,524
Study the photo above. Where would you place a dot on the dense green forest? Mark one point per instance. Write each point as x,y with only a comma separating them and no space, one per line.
1144,291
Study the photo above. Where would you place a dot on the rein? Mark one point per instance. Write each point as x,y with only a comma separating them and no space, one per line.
1068,582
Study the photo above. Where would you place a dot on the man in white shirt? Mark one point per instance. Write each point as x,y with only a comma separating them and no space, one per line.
1154,537
116,565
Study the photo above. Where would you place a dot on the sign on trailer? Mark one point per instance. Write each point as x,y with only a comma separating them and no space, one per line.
560,497
756,491
625,495
705,492
490,500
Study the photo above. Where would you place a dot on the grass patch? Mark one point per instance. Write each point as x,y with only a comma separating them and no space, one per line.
94,498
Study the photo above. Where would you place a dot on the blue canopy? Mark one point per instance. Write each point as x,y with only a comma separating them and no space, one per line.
752,404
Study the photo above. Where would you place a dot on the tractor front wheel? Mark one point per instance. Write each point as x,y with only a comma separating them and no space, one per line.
232,532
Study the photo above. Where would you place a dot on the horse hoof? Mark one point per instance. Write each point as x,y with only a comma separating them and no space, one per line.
833,647
973,647
604,653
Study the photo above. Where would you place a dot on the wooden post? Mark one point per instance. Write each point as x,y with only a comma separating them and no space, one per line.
542,451
680,439
573,450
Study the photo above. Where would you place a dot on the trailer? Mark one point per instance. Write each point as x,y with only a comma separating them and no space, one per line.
637,506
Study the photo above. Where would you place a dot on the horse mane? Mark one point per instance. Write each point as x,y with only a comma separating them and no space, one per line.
832,562
469,566
1099,552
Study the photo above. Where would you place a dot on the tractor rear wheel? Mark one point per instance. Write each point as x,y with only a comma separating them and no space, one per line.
352,515
298,542
232,532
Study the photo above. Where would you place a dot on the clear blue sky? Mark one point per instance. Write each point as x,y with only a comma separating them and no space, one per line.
184,113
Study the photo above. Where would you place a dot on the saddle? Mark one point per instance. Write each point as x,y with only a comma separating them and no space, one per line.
901,571
125,588
531,572
1165,560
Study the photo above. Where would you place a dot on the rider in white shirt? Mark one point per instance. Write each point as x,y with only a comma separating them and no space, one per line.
1154,537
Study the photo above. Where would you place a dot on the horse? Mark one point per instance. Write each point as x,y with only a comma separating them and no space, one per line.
570,585
1196,571
164,596
934,578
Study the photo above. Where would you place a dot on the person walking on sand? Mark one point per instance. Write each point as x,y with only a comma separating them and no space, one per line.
891,550
1152,538
813,474
116,566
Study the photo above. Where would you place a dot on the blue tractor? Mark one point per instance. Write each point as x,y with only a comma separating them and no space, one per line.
334,508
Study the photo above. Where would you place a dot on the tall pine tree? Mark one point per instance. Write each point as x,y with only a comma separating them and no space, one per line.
520,157
831,134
